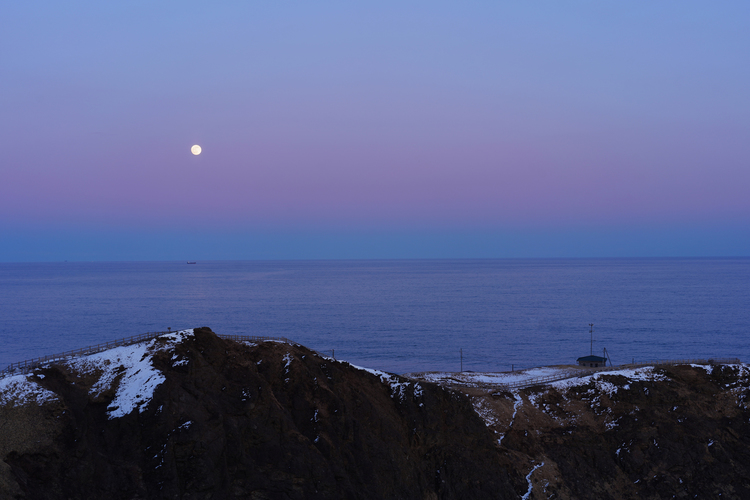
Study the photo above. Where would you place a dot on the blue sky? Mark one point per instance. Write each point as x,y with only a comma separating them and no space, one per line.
373,130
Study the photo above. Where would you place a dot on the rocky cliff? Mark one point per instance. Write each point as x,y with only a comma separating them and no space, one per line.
190,415
669,432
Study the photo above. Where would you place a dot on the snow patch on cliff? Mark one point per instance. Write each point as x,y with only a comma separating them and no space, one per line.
130,371
518,401
175,338
20,390
485,412
527,495
497,378
398,388
605,384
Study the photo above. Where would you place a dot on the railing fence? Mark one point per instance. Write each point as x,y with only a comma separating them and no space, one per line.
26,366
23,367
584,372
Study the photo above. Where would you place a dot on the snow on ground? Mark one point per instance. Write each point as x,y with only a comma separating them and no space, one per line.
130,368
287,361
528,480
566,377
255,343
484,411
398,388
742,369
645,373
709,368
175,338
20,390
602,384
516,405
505,378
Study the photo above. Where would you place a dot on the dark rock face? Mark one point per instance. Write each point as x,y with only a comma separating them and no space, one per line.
277,421
269,421
683,434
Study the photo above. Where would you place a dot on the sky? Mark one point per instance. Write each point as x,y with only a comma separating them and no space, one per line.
381,129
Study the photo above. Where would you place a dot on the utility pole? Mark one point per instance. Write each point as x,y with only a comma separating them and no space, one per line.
592,337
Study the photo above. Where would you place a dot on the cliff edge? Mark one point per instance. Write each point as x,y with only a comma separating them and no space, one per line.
190,415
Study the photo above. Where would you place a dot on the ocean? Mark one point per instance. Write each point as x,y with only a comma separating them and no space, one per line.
395,315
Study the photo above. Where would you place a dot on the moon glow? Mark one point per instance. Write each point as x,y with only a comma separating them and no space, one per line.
196,150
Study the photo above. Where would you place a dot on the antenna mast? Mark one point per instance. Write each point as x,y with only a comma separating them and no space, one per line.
592,337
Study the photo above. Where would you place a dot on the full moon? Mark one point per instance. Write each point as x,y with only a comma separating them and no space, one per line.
196,150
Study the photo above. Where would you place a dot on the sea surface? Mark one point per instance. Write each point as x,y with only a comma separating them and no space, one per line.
398,316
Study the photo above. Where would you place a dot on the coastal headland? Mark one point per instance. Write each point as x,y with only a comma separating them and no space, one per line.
192,415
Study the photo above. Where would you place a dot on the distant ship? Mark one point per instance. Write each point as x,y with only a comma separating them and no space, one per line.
189,262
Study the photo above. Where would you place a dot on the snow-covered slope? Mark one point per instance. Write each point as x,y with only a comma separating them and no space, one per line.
128,369
21,389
